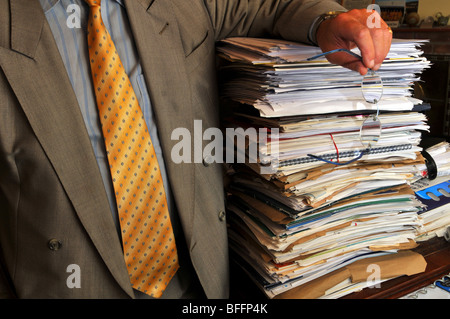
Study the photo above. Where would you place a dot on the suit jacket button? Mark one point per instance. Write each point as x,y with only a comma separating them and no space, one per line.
222,216
54,244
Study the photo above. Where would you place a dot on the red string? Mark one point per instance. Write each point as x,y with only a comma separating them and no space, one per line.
335,146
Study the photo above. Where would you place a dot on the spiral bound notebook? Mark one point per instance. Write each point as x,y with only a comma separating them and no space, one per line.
349,154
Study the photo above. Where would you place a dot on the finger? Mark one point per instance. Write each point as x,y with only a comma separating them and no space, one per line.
364,41
381,37
382,42
379,47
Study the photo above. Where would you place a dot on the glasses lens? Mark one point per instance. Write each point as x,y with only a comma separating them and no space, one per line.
370,131
372,87
372,91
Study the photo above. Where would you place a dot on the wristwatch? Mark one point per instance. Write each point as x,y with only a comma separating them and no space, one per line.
315,25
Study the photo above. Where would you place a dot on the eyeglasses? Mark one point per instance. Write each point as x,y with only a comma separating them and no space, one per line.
372,91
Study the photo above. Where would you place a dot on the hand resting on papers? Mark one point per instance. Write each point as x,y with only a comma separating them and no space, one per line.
361,28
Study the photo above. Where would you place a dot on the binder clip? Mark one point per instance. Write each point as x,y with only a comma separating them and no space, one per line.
431,165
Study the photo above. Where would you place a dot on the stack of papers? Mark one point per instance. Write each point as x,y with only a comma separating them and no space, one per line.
291,140
284,248
277,79
295,218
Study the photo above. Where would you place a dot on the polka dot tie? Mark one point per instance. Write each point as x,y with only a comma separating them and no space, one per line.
147,236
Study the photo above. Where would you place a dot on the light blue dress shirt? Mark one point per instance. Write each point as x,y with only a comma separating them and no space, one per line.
68,20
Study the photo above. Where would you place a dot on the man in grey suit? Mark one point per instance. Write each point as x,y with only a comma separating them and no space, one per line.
59,235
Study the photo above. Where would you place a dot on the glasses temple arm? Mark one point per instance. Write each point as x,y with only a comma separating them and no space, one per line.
334,51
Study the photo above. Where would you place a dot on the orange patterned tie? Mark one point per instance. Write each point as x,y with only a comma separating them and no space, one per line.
147,236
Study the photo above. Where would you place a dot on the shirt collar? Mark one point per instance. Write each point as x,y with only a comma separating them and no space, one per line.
47,5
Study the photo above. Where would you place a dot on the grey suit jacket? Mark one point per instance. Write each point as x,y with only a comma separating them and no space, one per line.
53,207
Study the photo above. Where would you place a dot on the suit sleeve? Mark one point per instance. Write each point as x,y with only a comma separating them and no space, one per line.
288,19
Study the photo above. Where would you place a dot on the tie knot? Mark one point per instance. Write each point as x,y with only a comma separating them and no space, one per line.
93,3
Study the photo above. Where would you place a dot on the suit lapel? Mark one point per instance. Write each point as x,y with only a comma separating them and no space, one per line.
38,77
162,57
